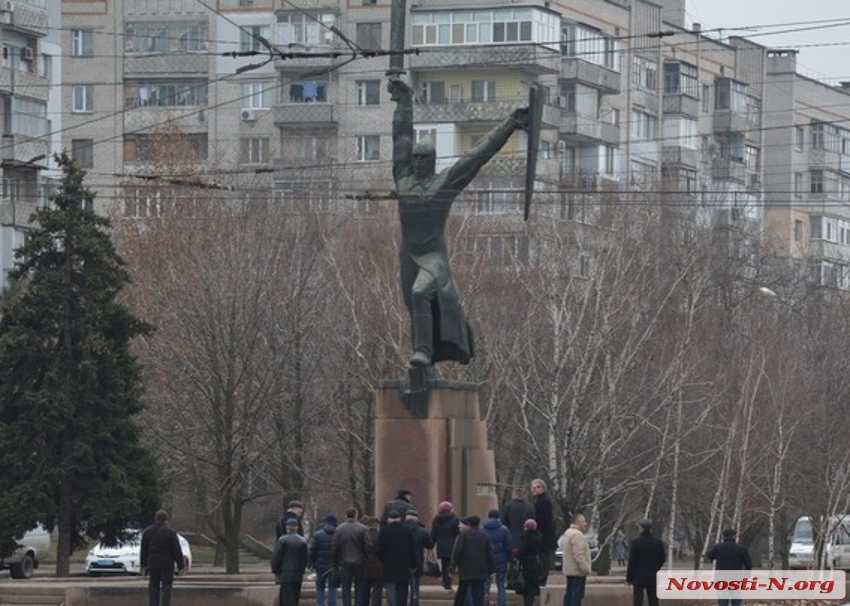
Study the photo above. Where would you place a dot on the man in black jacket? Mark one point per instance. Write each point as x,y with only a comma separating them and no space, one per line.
293,512
646,557
401,503
729,555
515,513
289,561
473,557
160,553
544,515
398,558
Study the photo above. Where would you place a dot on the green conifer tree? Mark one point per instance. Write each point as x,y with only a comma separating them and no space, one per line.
71,452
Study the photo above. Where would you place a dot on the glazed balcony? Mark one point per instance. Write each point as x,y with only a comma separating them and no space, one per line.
681,104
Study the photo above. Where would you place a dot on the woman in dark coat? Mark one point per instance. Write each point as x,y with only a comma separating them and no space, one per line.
530,542
444,531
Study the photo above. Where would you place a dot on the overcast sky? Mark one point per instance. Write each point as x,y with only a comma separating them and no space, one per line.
823,62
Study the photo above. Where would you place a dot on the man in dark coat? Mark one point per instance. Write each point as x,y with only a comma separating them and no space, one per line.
421,542
729,555
289,561
160,553
473,557
444,531
502,542
544,515
321,560
293,512
515,513
352,545
401,503
398,558
646,557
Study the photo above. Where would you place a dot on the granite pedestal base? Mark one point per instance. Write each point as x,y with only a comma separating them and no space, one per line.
443,456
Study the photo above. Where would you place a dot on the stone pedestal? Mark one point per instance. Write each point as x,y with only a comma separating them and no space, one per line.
441,457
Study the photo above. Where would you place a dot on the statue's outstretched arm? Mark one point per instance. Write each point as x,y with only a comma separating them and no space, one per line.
402,94
465,169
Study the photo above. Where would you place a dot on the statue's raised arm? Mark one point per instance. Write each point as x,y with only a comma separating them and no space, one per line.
402,94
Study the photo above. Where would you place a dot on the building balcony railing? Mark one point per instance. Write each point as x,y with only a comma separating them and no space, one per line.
729,120
167,64
531,58
484,111
823,159
19,82
676,155
606,80
681,104
21,150
17,213
578,128
301,58
191,120
724,169
24,16
301,114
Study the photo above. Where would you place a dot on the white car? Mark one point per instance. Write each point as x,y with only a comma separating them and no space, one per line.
35,546
125,557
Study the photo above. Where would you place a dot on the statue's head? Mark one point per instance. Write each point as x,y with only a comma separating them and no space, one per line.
424,157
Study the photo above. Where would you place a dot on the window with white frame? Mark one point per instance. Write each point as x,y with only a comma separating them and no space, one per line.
730,95
609,156
798,184
426,134
82,152
369,35
368,92
305,28
485,26
257,95
82,43
433,91
368,148
591,45
643,125
644,74
752,158
483,91
255,150
249,37
681,78
165,36
799,138
82,98
816,182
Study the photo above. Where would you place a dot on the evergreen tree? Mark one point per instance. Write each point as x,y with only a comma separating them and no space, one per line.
70,448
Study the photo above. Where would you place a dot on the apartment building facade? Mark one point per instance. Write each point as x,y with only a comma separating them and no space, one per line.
28,75
637,105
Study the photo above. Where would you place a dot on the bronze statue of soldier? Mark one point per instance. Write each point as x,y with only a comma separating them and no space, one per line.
439,330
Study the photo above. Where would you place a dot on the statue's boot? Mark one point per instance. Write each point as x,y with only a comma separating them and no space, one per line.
423,348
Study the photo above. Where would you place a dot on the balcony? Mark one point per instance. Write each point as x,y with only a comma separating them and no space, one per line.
576,128
729,120
191,120
676,155
304,114
20,150
302,58
681,104
823,159
26,17
606,80
530,58
18,82
724,169
488,111
167,64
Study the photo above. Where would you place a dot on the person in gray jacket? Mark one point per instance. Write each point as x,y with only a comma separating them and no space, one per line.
289,561
352,544
473,557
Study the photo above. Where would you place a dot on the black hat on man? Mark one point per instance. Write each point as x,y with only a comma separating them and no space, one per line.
296,504
291,522
729,533
645,523
394,515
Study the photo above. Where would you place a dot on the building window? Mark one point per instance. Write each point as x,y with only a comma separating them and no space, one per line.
301,28
368,92
83,98
798,230
681,79
308,91
434,92
82,43
800,138
82,152
589,44
644,74
798,184
483,91
608,160
249,41
730,95
643,125
255,150
165,37
706,98
369,36
257,95
368,148
816,182
752,158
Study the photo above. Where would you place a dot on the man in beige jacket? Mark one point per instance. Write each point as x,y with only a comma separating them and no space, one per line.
576,565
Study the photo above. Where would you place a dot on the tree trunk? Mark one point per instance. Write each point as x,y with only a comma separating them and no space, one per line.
63,531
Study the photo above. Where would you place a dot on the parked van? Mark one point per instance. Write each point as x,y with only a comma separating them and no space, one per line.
35,546
801,553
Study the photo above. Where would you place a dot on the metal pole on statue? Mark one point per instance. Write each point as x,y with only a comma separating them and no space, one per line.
398,16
